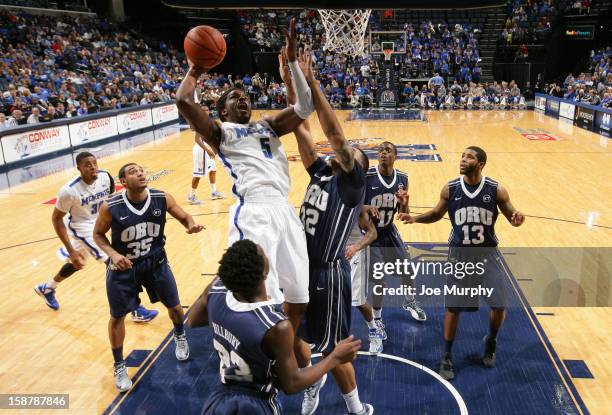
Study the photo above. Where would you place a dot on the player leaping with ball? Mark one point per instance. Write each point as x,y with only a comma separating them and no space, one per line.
254,157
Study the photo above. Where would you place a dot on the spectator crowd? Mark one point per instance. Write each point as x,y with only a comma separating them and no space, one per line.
594,87
61,66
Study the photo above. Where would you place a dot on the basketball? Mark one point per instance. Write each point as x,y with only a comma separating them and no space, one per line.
205,46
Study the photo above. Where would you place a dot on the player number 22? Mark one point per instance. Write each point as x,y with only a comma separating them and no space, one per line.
231,360
479,229
265,147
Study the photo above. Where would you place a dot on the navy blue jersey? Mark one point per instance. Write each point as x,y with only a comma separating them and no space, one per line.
473,212
330,210
137,231
239,329
380,192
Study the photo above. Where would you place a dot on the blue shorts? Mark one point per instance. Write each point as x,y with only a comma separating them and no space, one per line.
153,273
235,400
328,317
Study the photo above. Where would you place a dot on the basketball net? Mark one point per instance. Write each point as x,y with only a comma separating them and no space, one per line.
388,53
345,30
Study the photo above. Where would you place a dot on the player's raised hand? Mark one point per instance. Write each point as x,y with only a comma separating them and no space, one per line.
283,68
305,62
195,70
405,218
350,251
120,262
77,259
291,41
195,228
346,350
517,218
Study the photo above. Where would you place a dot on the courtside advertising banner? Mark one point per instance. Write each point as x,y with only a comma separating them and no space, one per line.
585,118
567,110
130,121
164,113
540,103
92,130
34,143
552,107
603,123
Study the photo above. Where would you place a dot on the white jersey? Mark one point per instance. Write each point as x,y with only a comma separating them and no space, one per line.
82,202
255,159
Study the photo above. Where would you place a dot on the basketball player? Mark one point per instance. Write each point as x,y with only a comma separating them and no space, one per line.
357,245
387,193
253,338
254,156
472,201
137,218
203,164
358,253
81,197
331,208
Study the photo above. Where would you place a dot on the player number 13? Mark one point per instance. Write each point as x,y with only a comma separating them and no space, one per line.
478,229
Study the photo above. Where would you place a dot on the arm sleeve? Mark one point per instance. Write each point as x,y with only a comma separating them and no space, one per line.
351,186
65,197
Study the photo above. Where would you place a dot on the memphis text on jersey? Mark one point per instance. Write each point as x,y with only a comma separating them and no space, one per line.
97,196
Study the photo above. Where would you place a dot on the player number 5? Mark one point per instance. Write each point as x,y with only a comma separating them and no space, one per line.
265,147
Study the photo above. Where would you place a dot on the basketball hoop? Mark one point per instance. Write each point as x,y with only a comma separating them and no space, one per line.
345,30
388,53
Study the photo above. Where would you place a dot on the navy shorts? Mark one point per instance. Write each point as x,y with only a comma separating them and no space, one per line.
152,273
235,400
328,317
493,277
389,247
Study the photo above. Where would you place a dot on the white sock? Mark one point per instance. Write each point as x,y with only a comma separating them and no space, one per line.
192,192
353,403
213,187
371,324
377,313
52,284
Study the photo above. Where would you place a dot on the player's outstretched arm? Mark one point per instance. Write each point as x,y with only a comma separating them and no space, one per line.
306,146
327,118
198,315
515,217
179,214
102,226
431,216
193,113
278,345
288,119
365,223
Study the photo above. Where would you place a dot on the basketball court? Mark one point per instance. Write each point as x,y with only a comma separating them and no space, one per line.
552,352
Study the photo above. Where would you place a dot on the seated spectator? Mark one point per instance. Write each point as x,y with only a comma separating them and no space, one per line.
34,116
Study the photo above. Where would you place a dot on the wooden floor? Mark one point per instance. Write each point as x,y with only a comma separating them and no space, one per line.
564,187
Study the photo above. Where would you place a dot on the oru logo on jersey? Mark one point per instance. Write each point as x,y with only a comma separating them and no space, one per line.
411,152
